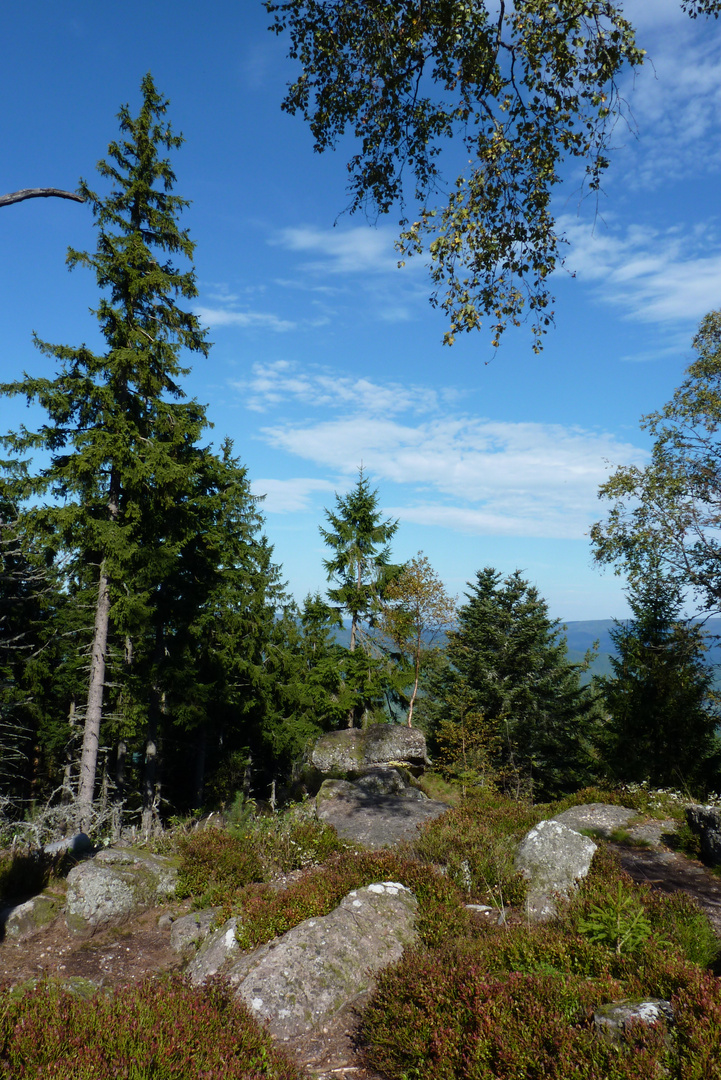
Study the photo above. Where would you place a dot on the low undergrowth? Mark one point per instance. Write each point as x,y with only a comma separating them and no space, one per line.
501,1003
161,1029
217,864
473,1000
264,913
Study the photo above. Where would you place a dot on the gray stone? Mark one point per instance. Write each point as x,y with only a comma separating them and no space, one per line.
191,929
353,749
552,857
612,1020
80,844
214,954
705,821
386,780
375,821
304,978
602,818
114,885
21,921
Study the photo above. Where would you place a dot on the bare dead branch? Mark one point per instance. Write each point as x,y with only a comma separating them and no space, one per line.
39,193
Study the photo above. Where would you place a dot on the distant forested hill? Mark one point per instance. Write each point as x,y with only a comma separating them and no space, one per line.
581,636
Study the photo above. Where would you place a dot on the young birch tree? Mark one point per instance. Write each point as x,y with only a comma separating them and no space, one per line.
416,610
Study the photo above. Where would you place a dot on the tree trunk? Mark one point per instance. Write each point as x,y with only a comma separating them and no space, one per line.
200,754
94,712
353,632
69,756
149,778
120,764
417,674
151,741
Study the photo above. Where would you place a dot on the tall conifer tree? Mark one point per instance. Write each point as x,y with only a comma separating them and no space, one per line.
360,568
513,657
663,710
121,439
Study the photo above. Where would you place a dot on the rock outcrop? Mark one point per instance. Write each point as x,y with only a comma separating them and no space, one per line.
21,921
552,858
349,753
374,820
305,977
705,821
214,954
189,931
614,1019
601,818
115,884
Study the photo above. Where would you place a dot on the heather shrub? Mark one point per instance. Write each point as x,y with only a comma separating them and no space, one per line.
679,918
697,1030
440,1015
540,950
265,913
477,840
291,840
26,875
22,875
161,1029
214,866
667,920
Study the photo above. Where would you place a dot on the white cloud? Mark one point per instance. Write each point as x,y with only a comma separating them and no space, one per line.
228,317
655,275
289,496
469,473
272,384
675,98
359,250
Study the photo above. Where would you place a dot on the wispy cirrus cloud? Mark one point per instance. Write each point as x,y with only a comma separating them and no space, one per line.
675,97
289,496
358,250
468,473
280,382
229,316
654,275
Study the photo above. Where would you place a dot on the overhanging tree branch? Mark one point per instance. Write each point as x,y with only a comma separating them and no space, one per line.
39,193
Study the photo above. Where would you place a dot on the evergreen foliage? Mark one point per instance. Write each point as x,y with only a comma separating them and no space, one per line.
663,713
512,657
360,566
154,537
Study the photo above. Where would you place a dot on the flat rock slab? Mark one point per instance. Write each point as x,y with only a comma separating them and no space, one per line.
354,749
305,977
601,817
375,821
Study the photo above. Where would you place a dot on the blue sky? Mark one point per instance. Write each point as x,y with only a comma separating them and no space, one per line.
325,353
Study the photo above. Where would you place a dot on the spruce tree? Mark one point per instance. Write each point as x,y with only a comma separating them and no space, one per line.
513,657
119,436
663,711
361,568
